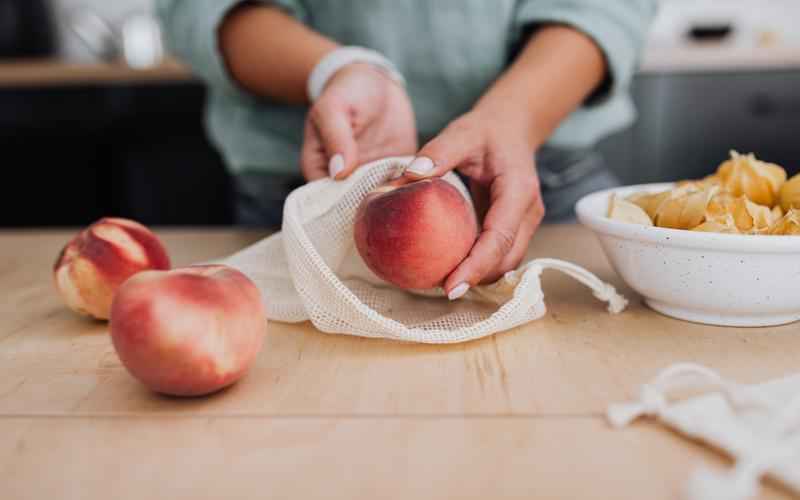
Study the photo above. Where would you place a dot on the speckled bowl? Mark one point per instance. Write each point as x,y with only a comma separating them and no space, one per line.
717,279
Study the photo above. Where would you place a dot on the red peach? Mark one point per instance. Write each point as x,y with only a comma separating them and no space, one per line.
100,258
415,235
190,331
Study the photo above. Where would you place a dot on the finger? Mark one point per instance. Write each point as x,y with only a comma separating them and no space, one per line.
454,146
313,160
511,197
530,224
333,124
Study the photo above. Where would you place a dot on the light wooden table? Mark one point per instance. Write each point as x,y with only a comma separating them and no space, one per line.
55,72
518,415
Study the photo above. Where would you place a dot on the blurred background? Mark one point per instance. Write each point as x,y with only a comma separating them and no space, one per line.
97,119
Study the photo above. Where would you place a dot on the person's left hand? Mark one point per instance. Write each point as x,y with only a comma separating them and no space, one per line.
361,116
498,158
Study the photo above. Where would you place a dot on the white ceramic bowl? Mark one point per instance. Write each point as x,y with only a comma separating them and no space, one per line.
718,279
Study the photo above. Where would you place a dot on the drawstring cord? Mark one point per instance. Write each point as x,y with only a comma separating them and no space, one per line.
601,290
653,396
742,481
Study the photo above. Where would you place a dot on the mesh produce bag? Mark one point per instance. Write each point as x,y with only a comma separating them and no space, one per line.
312,271
757,425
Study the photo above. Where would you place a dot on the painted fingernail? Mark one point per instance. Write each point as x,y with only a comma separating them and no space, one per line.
421,166
459,291
336,165
398,172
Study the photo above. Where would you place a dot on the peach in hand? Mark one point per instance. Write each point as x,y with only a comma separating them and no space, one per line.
100,258
190,331
415,235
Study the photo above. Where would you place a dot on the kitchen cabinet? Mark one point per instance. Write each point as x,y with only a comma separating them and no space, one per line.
83,141
688,121
79,151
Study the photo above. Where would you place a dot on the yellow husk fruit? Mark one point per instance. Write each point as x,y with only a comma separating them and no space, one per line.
747,217
623,210
790,194
744,196
685,208
744,175
788,225
718,226
649,202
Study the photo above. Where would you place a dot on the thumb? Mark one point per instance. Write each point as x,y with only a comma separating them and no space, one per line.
452,147
332,122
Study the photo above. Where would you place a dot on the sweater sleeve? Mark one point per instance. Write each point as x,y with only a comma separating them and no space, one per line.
618,28
191,33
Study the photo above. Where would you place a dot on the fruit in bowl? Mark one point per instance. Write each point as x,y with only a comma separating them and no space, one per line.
745,196
745,175
738,266
789,224
790,194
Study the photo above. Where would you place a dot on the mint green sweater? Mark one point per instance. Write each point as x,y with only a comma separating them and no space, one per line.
450,52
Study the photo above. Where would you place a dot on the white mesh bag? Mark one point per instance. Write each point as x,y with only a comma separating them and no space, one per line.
757,425
312,271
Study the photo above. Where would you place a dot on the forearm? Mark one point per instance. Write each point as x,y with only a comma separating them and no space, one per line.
270,53
553,75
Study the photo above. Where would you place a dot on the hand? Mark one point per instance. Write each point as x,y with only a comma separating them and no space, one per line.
497,156
361,116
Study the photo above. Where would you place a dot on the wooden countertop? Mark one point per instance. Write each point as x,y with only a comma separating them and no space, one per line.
43,73
517,415
713,58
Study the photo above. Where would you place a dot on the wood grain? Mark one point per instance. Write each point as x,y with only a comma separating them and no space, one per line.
343,458
54,72
517,415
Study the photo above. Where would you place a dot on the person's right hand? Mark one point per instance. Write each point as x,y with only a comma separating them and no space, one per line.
361,116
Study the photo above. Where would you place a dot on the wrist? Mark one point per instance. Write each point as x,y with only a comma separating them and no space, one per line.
514,115
359,67
343,57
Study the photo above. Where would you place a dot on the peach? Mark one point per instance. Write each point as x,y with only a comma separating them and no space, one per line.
100,258
190,331
415,235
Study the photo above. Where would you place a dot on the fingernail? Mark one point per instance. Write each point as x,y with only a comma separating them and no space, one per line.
399,172
420,166
458,291
336,165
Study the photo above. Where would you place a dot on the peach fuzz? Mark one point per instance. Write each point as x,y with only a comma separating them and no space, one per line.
100,258
415,235
190,331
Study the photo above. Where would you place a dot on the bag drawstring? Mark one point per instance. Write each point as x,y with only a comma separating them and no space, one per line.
742,482
602,290
653,402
